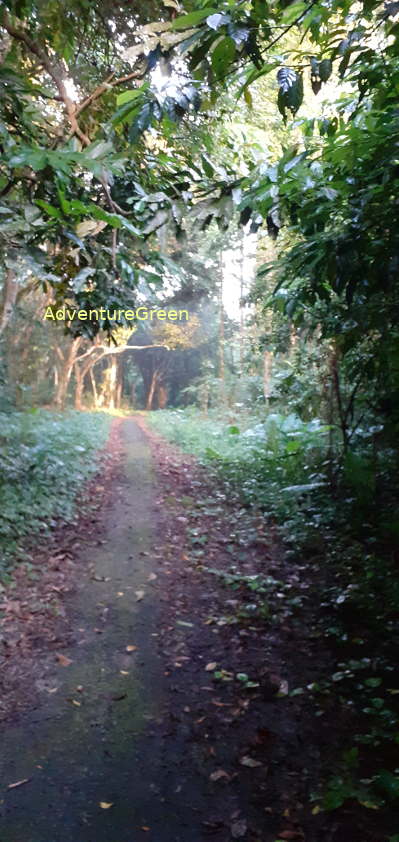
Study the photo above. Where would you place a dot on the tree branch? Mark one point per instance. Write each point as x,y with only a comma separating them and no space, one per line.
105,86
55,75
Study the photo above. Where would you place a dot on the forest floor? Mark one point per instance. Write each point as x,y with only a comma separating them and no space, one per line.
143,697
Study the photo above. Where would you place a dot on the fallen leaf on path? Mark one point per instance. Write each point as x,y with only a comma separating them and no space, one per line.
131,648
145,828
105,805
124,672
250,762
63,661
18,783
139,595
220,773
152,577
210,667
283,689
77,704
238,829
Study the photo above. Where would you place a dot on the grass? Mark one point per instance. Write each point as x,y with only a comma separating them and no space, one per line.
271,460
45,458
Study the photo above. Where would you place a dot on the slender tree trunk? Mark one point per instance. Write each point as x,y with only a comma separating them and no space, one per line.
242,325
118,397
112,382
80,374
94,387
79,380
9,298
68,363
162,396
267,373
151,391
222,376
338,397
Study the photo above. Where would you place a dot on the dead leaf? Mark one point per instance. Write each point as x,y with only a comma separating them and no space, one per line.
250,762
77,704
220,773
131,648
124,672
145,828
210,667
152,577
283,689
238,829
105,805
139,595
18,783
63,661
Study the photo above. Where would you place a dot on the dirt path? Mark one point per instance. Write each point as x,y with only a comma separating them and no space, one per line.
172,718
99,735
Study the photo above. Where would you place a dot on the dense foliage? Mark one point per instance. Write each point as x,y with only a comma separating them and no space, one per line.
45,459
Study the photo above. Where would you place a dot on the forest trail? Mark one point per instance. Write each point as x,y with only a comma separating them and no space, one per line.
105,742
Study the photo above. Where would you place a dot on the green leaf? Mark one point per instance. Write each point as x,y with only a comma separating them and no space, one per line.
128,96
49,209
294,11
125,113
286,77
290,95
35,158
325,69
222,56
142,121
207,166
192,19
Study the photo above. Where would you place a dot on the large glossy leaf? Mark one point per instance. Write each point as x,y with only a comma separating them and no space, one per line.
222,56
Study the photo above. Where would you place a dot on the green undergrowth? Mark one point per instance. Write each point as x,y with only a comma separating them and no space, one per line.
339,515
45,458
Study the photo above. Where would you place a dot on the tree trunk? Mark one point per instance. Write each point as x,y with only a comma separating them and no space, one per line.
94,387
267,373
118,395
9,297
68,363
221,337
151,391
336,382
112,383
80,374
162,397
79,378
242,325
